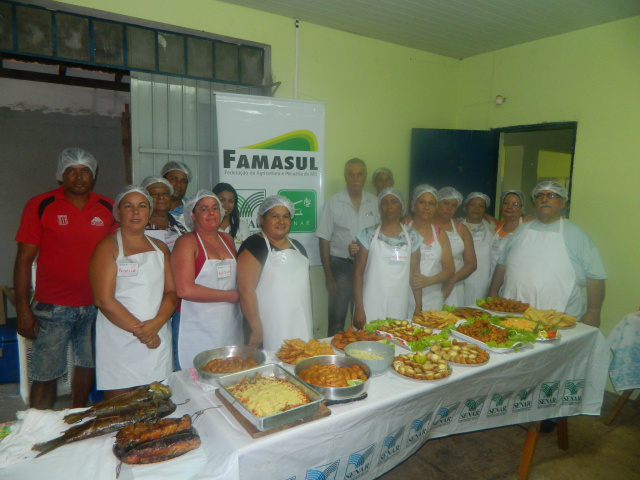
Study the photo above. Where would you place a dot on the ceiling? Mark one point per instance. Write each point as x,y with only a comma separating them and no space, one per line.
454,28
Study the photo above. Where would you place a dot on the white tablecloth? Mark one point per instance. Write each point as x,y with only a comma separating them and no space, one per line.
625,343
367,438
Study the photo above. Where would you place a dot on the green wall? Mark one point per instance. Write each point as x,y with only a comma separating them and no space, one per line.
592,77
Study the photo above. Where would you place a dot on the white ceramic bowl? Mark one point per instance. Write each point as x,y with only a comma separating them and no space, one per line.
377,367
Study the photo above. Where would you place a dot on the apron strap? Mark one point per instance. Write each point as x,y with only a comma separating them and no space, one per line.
206,255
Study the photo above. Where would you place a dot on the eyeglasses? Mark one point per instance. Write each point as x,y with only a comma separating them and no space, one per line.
549,196
514,204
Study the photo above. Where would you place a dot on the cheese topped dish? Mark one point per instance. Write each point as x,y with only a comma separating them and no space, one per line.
266,396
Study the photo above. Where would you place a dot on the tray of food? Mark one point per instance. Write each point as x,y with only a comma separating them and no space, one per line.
342,339
496,339
463,313
296,350
435,318
220,361
335,377
551,317
544,333
407,334
421,367
269,396
501,306
461,353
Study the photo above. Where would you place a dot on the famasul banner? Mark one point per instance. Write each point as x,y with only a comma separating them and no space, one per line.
272,146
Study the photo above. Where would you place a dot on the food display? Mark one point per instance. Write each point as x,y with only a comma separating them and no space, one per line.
143,443
500,304
342,339
229,365
296,350
331,375
551,317
407,334
421,366
461,353
485,333
543,332
435,318
265,396
467,312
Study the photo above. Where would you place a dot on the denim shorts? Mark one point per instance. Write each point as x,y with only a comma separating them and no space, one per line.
58,325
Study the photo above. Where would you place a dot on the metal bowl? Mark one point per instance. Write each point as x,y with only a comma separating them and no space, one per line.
205,357
336,393
378,367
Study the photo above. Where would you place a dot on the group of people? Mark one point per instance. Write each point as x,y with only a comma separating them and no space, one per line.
164,277
384,262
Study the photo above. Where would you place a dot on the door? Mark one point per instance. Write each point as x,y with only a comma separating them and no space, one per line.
464,159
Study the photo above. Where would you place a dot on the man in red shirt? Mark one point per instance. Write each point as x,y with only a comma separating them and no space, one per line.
61,228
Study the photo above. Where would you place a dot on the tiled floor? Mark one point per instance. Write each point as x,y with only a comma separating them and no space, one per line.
595,450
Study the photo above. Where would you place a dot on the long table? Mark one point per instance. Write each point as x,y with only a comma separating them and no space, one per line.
367,438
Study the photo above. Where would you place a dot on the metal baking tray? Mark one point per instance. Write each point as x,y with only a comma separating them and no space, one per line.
205,357
336,393
272,421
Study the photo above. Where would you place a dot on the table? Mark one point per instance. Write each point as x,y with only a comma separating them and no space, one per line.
364,439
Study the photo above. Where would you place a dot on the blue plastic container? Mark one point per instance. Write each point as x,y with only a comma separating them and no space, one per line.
9,362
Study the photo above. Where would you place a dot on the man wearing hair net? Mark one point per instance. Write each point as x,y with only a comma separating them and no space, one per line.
345,215
179,175
61,228
550,262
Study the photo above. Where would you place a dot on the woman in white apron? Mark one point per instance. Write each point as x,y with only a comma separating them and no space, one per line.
273,279
476,285
161,224
436,261
206,280
389,255
134,290
464,256
231,223
512,209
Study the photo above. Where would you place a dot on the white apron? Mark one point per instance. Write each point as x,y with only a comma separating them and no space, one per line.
284,297
476,285
456,297
386,288
430,265
169,237
497,246
207,325
539,271
121,360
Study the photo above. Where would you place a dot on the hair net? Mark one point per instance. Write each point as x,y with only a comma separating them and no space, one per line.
151,179
275,201
193,201
481,195
552,187
519,193
449,193
381,170
420,190
392,191
183,167
127,190
75,156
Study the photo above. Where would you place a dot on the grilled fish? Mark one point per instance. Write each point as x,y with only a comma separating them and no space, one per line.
114,406
142,432
160,449
146,412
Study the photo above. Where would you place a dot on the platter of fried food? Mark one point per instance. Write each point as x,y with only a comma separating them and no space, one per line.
482,333
463,313
332,375
342,339
461,353
544,332
502,305
405,331
435,318
229,365
420,366
296,350
551,317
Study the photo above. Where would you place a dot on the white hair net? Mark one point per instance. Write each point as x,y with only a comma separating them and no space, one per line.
392,191
481,195
552,187
151,179
421,190
75,156
193,201
276,201
183,167
381,170
449,193
519,193
127,190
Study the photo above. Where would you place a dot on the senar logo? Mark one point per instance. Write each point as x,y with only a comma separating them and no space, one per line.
418,429
391,445
306,205
573,392
359,462
248,203
323,472
299,141
472,409
499,404
548,394
445,415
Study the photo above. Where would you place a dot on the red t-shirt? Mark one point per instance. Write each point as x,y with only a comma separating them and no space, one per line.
66,238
